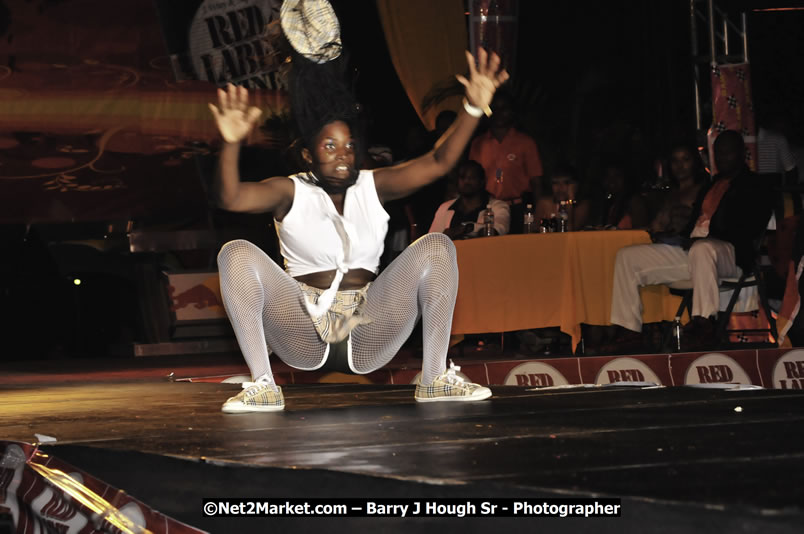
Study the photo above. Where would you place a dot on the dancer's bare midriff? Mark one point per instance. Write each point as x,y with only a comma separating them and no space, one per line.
354,279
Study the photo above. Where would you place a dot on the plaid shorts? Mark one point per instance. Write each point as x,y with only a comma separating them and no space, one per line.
345,313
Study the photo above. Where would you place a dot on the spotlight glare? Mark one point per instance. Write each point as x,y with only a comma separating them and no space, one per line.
77,281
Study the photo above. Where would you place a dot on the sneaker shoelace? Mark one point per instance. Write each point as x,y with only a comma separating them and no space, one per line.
249,385
451,376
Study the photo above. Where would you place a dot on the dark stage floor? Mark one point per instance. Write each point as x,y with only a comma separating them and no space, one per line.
683,459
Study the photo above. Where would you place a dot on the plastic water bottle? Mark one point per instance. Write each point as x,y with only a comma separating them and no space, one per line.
488,221
563,218
677,333
528,224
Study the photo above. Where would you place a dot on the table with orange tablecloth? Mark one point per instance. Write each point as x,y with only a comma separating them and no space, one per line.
517,282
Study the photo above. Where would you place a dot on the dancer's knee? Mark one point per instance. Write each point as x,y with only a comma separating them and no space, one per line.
234,251
437,246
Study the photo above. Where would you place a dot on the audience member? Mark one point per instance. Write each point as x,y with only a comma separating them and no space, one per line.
687,176
462,218
564,185
774,153
728,217
510,158
617,203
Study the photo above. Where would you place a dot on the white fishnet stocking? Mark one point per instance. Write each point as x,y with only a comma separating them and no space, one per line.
267,311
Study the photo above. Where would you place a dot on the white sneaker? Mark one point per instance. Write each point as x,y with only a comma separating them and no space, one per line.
451,387
256,397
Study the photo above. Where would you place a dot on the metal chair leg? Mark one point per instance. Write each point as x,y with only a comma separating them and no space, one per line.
723,319
763,299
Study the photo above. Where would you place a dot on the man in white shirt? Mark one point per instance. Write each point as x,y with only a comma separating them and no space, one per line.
775,155
462,218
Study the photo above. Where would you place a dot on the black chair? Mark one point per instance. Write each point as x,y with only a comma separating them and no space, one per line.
754,277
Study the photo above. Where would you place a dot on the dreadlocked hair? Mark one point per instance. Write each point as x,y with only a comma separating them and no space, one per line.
319,95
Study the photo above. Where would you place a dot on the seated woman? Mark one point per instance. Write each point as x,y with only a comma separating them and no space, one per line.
564,185
688,174
329,309
462,218
617,203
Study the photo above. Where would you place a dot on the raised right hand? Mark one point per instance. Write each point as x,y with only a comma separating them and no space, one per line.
233,116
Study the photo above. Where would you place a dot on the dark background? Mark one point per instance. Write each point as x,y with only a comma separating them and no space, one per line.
589,77
582,67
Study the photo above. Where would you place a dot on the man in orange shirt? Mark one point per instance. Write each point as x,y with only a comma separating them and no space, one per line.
509,157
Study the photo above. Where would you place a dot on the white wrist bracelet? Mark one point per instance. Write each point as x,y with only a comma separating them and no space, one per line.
475,111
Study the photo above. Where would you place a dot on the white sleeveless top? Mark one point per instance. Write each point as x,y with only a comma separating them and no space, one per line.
313,237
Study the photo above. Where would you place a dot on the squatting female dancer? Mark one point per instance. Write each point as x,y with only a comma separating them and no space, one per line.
328,309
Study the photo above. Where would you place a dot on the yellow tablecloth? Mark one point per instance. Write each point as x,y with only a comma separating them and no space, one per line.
517,282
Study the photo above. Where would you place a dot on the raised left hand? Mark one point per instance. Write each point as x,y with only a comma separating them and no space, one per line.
484,79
